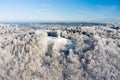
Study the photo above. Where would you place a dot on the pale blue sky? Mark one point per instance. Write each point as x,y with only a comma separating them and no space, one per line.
59,10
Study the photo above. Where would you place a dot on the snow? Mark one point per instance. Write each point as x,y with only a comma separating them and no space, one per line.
32,55
59,40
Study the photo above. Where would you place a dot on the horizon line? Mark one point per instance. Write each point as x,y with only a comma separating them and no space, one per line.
2,22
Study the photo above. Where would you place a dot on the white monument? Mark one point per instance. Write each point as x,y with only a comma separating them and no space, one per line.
58,33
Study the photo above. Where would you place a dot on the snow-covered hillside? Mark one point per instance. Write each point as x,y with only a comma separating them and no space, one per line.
85,53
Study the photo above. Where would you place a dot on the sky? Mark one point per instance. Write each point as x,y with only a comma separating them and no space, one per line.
59,10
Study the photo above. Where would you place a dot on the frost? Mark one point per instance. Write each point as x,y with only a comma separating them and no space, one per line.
81,53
